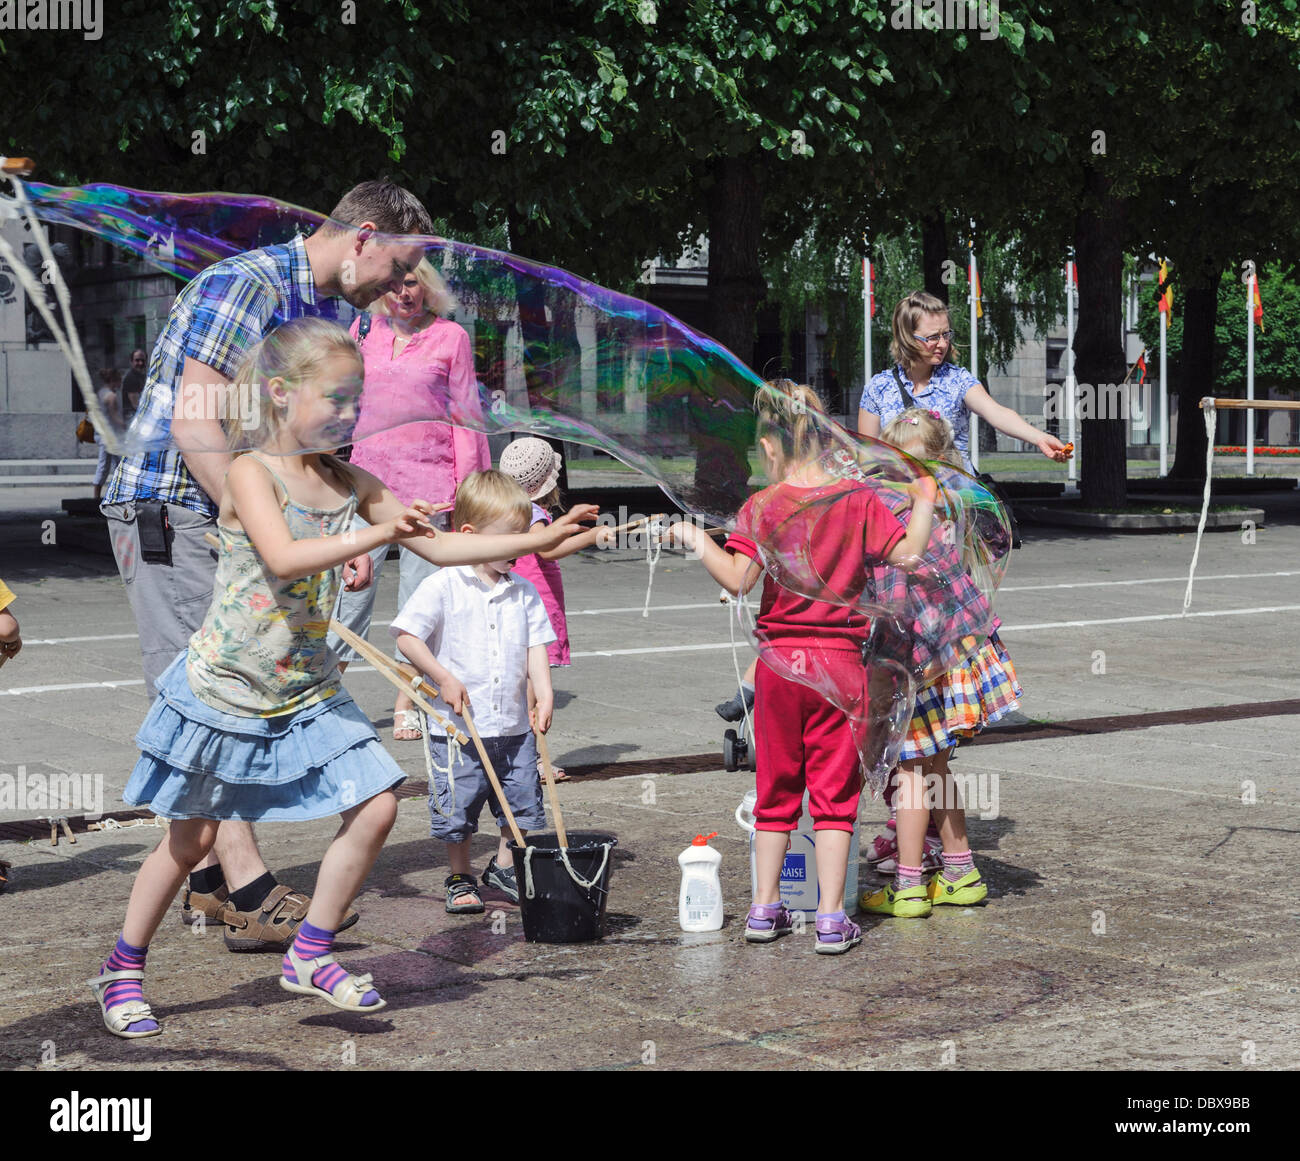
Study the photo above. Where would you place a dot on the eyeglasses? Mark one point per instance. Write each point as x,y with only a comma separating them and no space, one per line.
930,340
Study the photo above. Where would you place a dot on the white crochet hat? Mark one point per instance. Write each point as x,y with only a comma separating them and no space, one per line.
533,465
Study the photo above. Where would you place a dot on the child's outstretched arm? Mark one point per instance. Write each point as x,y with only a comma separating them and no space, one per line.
257,507
734,571
575,543
378,505
907,553
418,653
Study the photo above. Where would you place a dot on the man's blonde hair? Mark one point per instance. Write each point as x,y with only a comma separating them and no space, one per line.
483,498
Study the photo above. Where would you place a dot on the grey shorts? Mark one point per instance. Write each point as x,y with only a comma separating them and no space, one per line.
169,600
515,762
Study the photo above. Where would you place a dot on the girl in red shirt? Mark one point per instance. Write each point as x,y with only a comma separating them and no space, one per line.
802,741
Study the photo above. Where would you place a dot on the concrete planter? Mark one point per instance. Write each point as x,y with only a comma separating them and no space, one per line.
1138,522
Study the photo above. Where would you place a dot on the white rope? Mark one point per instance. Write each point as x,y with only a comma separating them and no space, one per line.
741,603
69,343
653,547
1210,416
431,767
530,891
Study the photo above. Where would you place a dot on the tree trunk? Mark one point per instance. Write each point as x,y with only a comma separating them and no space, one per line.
736,289
1099,356
1197,370
934,253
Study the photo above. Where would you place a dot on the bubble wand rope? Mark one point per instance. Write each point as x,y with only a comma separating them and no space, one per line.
69,343
386,665
653,549
403,676
1207,405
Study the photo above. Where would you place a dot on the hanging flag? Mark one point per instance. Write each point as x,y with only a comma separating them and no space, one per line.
1141,366
975,282
1259,306
1165,297
1074,273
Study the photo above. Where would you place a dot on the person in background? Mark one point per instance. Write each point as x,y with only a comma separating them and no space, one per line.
110,399
133,386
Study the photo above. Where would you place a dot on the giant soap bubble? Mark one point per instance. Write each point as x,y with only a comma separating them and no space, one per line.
555,354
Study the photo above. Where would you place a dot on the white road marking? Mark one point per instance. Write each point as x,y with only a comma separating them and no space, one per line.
31,641
728,645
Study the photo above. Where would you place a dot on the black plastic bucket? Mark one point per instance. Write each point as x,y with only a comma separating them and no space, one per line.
559,903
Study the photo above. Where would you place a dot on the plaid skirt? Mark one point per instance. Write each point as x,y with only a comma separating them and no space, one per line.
961,703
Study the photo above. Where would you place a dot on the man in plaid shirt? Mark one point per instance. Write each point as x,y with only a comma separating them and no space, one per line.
176,484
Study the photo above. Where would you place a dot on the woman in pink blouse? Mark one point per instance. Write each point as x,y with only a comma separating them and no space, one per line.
417,364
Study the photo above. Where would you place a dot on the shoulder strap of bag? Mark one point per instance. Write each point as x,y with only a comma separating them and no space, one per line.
904,394
363,327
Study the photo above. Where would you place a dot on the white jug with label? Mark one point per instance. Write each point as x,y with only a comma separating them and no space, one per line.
699,902
799,872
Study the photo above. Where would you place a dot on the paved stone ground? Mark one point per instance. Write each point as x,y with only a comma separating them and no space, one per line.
1140,918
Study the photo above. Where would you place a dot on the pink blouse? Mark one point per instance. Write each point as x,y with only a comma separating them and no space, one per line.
432,375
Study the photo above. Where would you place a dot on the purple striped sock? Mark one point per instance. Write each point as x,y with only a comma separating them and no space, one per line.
126,958
312,943
908,877
958,865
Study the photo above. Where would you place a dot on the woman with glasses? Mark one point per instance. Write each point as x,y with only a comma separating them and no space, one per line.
924,376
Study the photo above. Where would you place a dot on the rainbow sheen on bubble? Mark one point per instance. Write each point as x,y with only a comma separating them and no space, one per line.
555,355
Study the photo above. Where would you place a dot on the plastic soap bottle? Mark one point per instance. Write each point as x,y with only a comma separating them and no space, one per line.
699,903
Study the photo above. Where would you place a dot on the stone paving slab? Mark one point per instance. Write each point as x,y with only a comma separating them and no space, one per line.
1144,828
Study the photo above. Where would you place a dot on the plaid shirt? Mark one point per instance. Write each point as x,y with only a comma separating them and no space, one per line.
215,319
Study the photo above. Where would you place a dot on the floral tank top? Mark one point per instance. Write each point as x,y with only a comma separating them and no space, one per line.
261,651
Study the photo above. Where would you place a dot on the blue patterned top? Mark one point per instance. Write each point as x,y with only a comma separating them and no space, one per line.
945,393
216,319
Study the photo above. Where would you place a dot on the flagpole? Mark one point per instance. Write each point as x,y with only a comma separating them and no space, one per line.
866,313
1071,389
974,356
1250,369
1164,399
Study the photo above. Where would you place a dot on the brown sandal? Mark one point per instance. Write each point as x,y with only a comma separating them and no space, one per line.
197,907
273,925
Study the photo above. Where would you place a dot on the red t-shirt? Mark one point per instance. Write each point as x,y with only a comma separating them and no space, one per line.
836,532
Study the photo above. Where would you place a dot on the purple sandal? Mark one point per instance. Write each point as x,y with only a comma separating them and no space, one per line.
768,921
836,934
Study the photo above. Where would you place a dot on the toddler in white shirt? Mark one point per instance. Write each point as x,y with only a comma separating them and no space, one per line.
479,633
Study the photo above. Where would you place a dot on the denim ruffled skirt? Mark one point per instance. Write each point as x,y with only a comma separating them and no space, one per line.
198,762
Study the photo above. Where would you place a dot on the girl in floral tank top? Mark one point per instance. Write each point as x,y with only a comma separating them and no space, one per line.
250,722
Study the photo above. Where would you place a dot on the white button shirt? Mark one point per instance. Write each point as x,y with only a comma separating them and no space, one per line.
481,634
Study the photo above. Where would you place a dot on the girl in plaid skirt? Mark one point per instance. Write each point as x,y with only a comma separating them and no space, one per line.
927,823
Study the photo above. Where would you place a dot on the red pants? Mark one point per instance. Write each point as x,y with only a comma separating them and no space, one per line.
804,742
